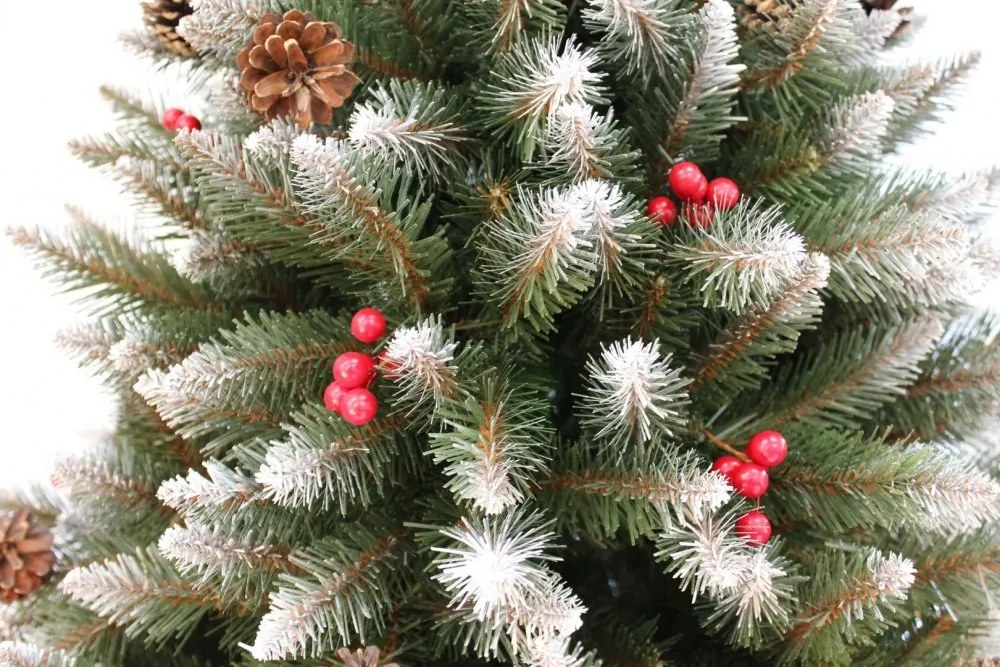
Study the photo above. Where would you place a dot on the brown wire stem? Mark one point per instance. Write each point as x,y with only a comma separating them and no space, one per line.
725,446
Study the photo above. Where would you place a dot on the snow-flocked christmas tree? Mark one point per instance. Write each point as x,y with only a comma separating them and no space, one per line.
588,406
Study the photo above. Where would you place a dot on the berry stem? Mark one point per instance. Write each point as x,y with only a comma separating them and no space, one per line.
725,446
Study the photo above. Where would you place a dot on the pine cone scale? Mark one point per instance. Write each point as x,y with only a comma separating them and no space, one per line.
297,60
26,556
322,111
39,564
290,30
275,46
162,18
279,84
334,53
312,37
297,66
262,60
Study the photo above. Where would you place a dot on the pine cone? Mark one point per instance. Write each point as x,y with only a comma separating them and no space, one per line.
869,5
368,658
753,13
162,18
27,557
297,66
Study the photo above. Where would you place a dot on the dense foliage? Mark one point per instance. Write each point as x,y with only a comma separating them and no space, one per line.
560,371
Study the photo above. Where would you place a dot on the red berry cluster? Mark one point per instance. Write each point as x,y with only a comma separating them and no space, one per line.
353,372
700,197
177,119
765,450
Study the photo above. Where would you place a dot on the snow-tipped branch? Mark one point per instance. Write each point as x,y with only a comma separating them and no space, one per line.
898,256
737,358
856,605
493,446
531,83
409,126
143,592
422,361
323,461
355,221
743,259
115,271
634,396
851,137
586,143
750,588
918,488
495,568
640,33
251,378
539,256
341,594
704,109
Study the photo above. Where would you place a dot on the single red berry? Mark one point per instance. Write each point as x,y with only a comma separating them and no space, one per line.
188,122
750,480
723,193
699,215
767,448
352,370
754,527
662,210
358,407
687,182
368,325
170,117
726,466
332,396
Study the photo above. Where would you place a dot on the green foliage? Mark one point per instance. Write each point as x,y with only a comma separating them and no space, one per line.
145,594
844,380
958,382
559,370
116,273
242,385
340,595
844,608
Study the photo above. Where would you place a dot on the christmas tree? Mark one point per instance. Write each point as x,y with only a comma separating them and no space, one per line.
525,332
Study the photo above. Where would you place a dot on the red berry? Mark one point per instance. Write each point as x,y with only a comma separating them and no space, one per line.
754,527
750,480
687,182
353,369
332,396
662,210
358,407
699,215
767,448
170,117
188,122
726,466
723,193
368,325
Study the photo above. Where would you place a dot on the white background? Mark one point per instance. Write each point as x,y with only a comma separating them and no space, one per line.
50,95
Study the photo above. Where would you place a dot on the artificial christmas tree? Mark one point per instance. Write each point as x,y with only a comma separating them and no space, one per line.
539,461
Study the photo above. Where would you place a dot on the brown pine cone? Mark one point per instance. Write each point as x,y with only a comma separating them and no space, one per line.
162,18
754,13
297,66
27,557
368,658
869,5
